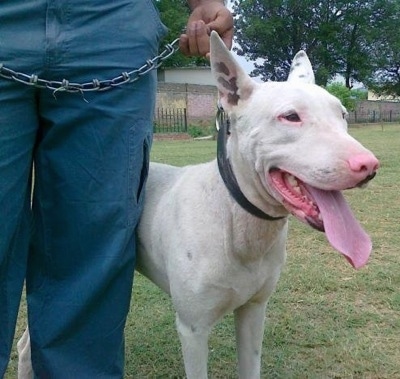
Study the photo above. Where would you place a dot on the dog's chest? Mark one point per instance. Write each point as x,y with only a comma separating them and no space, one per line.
256,241
253,259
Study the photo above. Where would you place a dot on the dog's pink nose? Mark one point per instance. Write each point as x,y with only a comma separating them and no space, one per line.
363,163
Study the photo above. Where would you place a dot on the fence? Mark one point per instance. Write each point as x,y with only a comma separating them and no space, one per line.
170,120
174,120
371,116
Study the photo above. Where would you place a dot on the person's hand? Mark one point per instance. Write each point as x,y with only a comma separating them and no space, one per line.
206,16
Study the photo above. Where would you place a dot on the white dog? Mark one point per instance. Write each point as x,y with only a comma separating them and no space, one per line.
285,149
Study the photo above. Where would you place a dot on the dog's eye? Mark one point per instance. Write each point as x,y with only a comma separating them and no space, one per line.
292,117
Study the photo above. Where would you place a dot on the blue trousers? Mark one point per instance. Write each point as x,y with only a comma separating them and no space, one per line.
75,244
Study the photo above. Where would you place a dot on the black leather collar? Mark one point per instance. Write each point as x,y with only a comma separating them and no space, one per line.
226,172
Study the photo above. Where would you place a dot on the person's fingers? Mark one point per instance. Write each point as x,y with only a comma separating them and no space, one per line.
191,31
199,41
184,44
227,37
223,25
196,40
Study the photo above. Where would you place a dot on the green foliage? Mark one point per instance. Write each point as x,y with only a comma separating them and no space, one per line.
385,78
345,95
174,14
339,36
197,131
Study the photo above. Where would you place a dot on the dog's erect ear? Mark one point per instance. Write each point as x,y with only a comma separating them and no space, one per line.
301,69
233,83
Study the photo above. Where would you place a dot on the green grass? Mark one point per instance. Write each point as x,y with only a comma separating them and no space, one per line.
325,320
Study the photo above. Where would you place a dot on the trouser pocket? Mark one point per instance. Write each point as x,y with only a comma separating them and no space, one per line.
139,157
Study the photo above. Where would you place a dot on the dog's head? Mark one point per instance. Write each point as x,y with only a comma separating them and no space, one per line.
289,147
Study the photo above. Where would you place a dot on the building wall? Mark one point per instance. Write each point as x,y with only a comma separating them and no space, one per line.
183,75
368,111
378,106
200,101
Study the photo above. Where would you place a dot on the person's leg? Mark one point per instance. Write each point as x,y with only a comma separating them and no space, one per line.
89,171
20,49
90,166
18,126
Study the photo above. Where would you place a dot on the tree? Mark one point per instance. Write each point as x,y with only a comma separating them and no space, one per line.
174,14
346,96
336,34
367,29
385,78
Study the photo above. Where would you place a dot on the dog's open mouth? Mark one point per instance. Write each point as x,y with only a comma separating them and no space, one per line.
326,211
297,199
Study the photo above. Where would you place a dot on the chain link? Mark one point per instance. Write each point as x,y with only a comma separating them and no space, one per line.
95,85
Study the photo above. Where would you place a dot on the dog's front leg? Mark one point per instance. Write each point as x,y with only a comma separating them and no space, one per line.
249,323
25,370
194,341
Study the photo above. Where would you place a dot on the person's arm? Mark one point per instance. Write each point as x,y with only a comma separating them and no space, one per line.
207,15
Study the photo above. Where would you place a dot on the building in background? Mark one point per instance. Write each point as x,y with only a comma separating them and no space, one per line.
191,88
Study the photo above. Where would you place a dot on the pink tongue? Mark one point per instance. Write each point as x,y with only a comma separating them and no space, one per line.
341,228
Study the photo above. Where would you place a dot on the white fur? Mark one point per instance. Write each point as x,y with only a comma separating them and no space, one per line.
200,246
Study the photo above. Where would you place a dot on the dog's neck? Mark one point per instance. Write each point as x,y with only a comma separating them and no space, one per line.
227,173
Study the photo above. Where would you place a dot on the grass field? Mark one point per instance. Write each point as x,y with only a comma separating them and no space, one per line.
325,320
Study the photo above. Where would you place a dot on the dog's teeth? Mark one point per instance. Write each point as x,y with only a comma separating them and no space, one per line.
292,181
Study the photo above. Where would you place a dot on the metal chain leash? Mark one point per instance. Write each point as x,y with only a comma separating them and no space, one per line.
95,85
